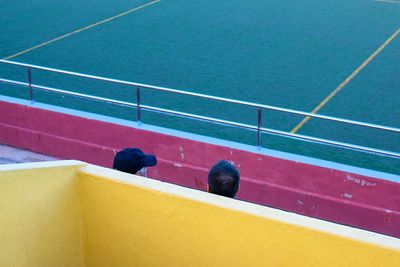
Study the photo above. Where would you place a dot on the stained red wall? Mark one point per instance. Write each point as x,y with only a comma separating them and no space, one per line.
334,195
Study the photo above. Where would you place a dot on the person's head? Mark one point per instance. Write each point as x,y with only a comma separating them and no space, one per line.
223,179
131,160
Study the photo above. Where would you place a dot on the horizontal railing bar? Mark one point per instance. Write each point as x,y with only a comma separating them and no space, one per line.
144,107
277,132
64,92
198,117
213,120
227,100
13,82
332,143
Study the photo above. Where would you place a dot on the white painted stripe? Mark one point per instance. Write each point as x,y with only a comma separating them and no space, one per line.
388,1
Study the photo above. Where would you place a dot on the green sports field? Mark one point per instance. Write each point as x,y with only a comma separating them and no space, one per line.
290,54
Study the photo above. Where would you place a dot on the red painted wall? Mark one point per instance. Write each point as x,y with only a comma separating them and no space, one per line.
333,195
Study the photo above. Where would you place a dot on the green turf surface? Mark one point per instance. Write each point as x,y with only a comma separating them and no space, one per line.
285,53
27,23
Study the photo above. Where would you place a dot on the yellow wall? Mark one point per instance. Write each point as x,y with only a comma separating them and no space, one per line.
73,214
39,216
149,223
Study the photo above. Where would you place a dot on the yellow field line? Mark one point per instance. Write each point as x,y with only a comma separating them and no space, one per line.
345,82
82,29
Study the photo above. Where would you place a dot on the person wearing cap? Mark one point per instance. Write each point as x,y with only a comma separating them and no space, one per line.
223,179
133,160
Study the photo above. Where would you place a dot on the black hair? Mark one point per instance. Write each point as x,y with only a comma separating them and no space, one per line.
223,179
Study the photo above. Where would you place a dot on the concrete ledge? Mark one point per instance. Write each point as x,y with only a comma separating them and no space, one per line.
10,155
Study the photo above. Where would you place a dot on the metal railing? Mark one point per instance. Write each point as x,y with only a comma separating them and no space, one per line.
259,108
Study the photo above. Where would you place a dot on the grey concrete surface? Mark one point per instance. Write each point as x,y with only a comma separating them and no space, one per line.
9,154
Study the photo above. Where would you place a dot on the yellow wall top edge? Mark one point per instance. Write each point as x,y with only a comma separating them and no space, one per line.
233,204
246,207
41,165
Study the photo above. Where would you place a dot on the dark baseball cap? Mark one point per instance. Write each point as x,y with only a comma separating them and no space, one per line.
131,160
